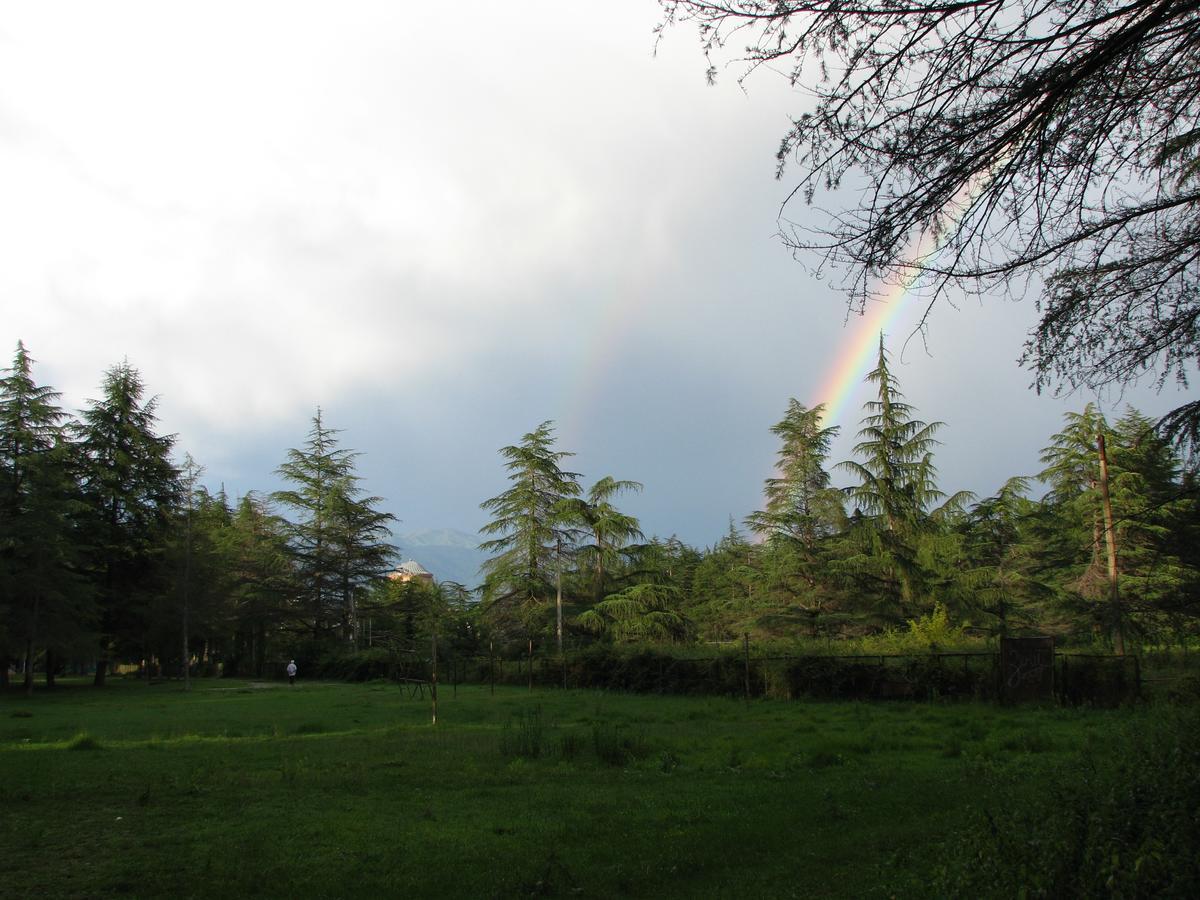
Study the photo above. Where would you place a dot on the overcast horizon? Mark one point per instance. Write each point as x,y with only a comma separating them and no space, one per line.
443,235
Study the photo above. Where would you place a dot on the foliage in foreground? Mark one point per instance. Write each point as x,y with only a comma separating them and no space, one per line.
1122,820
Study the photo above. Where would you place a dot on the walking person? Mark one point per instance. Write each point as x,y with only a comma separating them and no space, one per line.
291,670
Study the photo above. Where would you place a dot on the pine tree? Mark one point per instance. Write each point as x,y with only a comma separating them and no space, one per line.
1151,506
263,584
609,529
340,542
204,567
361,536
999,552
802,511
532,521
896,488
44,599
1073,474
132,490
640,612
801,506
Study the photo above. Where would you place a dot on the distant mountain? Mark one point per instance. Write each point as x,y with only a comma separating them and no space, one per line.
449,554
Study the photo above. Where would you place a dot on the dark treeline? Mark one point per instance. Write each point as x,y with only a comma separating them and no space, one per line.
112,552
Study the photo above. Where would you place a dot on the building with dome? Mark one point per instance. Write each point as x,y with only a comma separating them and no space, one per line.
411,571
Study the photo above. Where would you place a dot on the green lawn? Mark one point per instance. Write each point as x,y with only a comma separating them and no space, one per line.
336,790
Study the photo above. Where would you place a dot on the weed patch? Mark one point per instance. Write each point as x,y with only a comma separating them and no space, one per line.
524,735
616,746
84,741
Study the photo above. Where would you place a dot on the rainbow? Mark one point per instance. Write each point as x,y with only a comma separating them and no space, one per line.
858,351
602,341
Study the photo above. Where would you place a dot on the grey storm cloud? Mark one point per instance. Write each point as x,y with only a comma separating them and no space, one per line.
444,233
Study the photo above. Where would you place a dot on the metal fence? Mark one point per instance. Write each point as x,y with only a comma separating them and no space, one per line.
1022,670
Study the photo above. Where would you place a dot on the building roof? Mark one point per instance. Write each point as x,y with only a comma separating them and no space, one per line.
414,568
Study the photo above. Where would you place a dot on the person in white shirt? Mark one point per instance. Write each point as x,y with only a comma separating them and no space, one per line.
291,670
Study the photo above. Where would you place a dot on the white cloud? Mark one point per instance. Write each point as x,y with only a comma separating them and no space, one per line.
493,213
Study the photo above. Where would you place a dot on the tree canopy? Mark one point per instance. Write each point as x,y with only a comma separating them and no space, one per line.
111,553
991,143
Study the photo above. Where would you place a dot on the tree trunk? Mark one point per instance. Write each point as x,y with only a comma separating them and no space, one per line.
29,667
51,662
187,574
558,625
101,672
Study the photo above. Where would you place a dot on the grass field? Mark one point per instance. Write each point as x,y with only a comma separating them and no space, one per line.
337,790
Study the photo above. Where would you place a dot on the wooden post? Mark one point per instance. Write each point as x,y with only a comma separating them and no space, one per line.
433,677
558,624
746,646
492,665
1110,541
531,664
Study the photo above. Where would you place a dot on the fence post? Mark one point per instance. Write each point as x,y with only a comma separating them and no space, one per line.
531,664
433,677
492,665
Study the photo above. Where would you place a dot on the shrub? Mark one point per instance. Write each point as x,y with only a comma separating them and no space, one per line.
84,741
615,746
1120,821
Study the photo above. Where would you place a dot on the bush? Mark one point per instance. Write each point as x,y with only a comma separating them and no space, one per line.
615,746
346,664
1121,823
84,741
648,670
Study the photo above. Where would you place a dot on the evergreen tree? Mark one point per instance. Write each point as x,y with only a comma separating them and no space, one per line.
132,489
802,511
609,530
1151,507
640,612
801,506
896,488
339,542
44,601
361,537
263,585
201,607
1073,474
533,520
999,550
726,592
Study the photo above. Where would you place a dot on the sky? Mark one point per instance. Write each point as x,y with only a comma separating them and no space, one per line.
444,225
